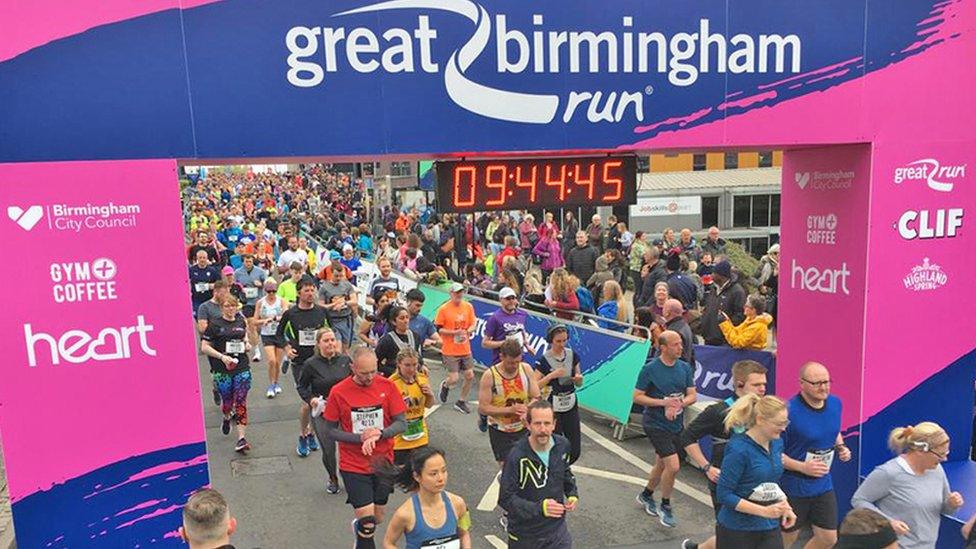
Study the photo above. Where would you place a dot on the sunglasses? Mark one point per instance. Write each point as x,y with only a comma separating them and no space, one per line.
271,291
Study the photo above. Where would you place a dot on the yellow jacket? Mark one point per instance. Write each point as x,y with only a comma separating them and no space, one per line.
751,334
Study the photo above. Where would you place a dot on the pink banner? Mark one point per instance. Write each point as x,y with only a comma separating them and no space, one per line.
822,268
99,361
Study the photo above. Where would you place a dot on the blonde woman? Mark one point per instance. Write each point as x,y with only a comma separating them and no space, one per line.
614,306
561,294
911,489
753,505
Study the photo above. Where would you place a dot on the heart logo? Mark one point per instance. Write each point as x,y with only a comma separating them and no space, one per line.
802,179
27,219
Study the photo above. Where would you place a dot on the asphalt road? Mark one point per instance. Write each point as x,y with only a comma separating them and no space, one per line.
280,501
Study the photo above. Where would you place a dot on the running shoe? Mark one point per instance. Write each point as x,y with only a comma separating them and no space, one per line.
688,544
648,503
271,391
313,443
504,522
462,406
257,355
302,446
442,395
242,445
225,426
277,389
482,423
667,516
284,366
216,396
332,486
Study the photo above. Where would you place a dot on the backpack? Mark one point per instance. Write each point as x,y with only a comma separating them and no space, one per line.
585,299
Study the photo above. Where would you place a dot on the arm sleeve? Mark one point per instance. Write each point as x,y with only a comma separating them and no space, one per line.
571,303
508,498
334,432
875,487
569,483
398,426
733,465
946,509
738,337
736,301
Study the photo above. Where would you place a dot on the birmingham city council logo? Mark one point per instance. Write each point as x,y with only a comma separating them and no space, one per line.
26,219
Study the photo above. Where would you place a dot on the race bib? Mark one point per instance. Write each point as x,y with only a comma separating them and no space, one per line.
250,292
306,338
367,418
564,402
442,543
201,287
415,429
234,347
823,456
270,328
767,493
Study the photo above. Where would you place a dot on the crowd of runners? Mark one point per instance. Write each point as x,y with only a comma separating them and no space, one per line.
273,261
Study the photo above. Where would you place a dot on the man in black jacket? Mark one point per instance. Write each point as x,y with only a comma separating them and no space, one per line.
538,486
652,272
581,260
726,296
748,377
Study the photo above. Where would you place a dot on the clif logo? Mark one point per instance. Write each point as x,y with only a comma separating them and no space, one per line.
939,178
27,219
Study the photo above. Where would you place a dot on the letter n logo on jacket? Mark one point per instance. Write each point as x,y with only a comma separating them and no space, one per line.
537,472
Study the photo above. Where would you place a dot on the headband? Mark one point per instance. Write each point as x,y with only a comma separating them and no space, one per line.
882,538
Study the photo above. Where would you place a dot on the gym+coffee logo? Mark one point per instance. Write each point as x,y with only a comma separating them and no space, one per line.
26,219
822,229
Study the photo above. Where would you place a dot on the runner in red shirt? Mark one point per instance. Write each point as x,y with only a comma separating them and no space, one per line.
364,413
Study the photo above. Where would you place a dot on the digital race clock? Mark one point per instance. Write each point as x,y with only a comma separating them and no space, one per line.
526,183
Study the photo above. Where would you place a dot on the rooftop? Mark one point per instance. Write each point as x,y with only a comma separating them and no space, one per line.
710,179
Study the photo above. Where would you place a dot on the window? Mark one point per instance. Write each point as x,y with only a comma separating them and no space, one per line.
774,210
643,164
400,168
765,159
699,162
709,211
760,210
369,169
731,160
741,208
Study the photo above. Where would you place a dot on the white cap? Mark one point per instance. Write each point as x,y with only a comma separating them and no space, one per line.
506,292
457,287
347,247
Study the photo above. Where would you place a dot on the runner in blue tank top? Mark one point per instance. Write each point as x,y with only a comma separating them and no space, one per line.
431,504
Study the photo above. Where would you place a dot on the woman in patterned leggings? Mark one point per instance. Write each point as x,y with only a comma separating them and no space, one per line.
225,343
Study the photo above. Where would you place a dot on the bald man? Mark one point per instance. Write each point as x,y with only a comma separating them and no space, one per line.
811,442
665,387
674,316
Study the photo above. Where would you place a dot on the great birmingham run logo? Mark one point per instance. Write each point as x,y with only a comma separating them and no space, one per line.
683,56
927,276
938,177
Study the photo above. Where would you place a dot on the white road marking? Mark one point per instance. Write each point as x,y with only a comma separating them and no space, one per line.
609,475
495,542
490,499
431,410
685,489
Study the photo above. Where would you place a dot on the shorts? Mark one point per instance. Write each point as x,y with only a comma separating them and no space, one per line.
754,539
364,490
296,370
458,363
819,511
557,539
247,311
343,329
665,443
503,441
272,341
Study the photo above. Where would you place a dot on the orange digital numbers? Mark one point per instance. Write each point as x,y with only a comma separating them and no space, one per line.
531,184
561,182
495,176
588,183
615,181
460,173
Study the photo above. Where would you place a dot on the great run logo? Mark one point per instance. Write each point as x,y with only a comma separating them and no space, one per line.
682,56
938,177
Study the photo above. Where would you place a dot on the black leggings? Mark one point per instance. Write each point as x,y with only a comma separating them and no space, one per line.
568,425
328,447
740,539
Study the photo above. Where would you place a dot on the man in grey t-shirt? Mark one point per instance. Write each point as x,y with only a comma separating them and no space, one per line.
338,296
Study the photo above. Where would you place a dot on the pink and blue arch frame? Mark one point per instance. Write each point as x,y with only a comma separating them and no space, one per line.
875,116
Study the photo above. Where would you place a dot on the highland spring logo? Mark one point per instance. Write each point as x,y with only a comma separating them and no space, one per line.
683,56
927,276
